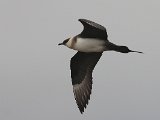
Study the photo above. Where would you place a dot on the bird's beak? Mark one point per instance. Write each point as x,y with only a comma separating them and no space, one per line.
135,51
60,44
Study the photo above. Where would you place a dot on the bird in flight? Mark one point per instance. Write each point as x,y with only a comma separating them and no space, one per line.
90,44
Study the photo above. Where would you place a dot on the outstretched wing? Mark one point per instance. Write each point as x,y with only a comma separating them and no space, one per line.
93,30
82,65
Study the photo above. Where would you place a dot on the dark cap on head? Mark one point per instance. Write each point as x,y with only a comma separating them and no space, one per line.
64,42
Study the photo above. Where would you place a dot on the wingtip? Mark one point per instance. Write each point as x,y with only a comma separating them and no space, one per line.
81,20
81,110
84,20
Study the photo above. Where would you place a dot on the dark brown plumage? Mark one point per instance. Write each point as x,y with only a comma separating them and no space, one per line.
82,65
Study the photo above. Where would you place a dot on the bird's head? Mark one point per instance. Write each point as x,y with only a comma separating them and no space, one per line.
64,42
125,49
68,42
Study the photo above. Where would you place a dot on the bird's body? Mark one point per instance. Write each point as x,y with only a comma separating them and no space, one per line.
87,44
90,44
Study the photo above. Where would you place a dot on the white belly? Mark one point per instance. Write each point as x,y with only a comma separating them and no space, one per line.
89,45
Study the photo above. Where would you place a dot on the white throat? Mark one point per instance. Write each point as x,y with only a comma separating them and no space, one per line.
70,43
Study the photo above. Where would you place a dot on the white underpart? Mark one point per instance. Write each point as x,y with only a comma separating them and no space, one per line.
89,45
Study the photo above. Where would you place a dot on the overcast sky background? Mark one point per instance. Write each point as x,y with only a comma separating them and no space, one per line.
35,81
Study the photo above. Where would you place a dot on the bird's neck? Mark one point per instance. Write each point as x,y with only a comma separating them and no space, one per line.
72,41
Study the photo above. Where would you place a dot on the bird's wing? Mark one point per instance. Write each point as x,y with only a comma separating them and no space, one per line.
82,65
93,30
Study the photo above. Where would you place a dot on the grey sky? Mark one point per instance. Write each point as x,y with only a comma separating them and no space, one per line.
35,79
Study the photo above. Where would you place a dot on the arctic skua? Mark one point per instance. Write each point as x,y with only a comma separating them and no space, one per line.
90,44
